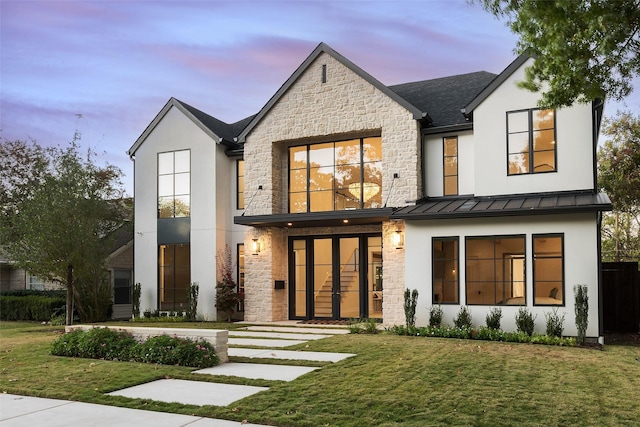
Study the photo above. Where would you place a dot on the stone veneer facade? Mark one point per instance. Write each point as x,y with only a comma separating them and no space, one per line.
345,106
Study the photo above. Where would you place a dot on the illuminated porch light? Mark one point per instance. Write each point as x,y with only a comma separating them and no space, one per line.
255,246
398,239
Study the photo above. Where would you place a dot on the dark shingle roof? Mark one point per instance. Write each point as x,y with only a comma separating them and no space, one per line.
443,98
218,127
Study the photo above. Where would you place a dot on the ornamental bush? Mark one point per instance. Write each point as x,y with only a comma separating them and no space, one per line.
555,323
525,321
96,343
463,320
109,344
168,350
493,318
435,315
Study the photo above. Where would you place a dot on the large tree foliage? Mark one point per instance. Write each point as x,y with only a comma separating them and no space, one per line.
58,214
619,177
584,49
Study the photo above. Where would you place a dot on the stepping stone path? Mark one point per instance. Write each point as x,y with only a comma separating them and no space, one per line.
272,338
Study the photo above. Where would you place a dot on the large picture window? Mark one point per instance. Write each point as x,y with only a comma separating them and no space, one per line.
495,270
174,184
450,151
548,269
531,141
174,265
445,270
336,175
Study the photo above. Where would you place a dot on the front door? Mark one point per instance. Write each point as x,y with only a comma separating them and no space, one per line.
335,277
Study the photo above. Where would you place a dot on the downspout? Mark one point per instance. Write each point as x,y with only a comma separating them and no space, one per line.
600,290
132,157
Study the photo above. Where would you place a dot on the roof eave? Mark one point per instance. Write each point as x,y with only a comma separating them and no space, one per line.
173,102
495,83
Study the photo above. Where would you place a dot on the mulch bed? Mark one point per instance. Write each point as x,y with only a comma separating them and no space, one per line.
630,339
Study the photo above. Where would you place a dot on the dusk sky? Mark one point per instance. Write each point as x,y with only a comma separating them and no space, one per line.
106,68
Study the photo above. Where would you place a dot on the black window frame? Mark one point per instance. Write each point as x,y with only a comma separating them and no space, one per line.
238,190
495,281
444,166
531,132
562,257
457,269
362,202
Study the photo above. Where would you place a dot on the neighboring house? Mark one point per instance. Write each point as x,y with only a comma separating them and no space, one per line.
17,279
343,192
119,265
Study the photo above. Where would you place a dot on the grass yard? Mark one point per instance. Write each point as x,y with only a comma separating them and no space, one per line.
409,381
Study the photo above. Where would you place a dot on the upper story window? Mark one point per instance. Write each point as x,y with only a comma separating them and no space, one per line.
240,184
174,184
531,141
336,175
450,151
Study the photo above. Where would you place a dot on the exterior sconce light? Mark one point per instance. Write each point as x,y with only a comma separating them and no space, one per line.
255,246
398,239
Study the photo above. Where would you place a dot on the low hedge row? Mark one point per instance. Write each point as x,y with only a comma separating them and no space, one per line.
482,333
109,344
30,306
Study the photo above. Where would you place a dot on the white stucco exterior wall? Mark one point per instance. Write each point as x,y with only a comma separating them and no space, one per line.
580,264
434,163
211,214
574,144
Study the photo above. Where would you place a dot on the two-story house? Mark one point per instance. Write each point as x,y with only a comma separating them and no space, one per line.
341,192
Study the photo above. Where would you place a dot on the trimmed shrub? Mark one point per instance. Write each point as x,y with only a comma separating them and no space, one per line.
410,303
493,318
30,306
525,321
555,323
582,311
463,319
435,315
485,334
109,344
136,294
363,326
167,350
96,343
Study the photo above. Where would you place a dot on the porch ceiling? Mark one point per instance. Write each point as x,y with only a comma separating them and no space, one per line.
317,219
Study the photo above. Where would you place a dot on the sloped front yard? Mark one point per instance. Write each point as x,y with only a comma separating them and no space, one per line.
394,380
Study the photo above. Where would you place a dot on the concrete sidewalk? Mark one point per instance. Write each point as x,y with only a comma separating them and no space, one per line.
23,411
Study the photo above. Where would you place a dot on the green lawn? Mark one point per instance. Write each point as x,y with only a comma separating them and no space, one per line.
393,381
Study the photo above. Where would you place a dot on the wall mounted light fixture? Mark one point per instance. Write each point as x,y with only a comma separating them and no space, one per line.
255,246
398,239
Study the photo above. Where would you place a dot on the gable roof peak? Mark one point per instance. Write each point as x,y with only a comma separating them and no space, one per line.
325,48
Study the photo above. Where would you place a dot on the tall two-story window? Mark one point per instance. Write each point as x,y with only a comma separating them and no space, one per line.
174,184
445,270
240,184
338,175
531,141
548,269
450,151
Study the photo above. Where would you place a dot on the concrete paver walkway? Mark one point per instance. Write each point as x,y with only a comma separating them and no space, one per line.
317,356
270,343
190,392
284,336
25,411
258,371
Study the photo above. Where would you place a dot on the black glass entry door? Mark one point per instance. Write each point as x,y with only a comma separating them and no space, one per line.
335,277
